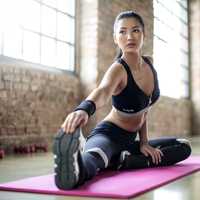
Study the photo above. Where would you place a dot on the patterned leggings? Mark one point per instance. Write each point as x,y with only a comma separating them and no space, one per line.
107,141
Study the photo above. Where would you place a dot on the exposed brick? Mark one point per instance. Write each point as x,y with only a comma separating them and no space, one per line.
169,116
34,102
195,63
31,98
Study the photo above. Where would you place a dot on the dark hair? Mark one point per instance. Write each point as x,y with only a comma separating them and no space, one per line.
127,14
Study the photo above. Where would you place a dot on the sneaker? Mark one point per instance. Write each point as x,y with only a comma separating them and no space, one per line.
128,161
67,159
184,141
122,158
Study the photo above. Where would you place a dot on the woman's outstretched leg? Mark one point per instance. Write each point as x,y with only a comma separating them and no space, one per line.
98,152
174,150
68,161
73,167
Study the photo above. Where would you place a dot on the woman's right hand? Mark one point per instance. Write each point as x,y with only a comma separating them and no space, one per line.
75,119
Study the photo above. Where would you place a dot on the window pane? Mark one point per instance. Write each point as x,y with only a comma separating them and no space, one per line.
13,42
31,47
64,28
171,47
184,74
183,3
184,30
1,40
72,31
63,54
184,89
31,29
71,58
67,6
184,44
48,51
184,59
48,21
51,3
184,15
31,15
9,13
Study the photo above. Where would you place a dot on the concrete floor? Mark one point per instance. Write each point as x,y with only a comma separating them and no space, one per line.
18,167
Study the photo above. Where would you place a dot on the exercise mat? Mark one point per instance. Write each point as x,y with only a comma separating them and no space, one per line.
113,184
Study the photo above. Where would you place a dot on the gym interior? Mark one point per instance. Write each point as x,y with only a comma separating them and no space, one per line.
53,53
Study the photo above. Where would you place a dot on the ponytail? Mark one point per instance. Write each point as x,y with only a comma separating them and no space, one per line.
119,54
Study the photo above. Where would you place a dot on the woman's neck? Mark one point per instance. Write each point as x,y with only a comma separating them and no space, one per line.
134,60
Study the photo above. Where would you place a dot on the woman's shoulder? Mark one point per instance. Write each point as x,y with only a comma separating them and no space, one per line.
116,66
115,70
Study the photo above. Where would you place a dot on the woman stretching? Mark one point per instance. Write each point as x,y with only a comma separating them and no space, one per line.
132,83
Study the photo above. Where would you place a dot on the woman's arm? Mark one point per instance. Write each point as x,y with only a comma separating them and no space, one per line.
143,133
97,98
145,148
110,82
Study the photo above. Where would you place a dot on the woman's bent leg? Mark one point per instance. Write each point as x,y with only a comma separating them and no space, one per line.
174,150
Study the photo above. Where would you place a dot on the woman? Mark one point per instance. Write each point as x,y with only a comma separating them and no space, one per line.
132,83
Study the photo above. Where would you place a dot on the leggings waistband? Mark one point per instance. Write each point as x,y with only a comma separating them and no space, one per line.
121,130
112,130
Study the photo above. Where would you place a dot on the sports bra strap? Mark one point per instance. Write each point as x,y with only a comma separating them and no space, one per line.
146,59
125,66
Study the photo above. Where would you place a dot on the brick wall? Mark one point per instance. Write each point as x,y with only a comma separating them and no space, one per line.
169,116
88,11
33,102
87,45
195,63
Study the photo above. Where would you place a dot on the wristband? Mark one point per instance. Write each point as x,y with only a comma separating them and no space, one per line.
88,106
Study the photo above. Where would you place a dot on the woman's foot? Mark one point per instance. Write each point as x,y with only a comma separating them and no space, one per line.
129,161
67,159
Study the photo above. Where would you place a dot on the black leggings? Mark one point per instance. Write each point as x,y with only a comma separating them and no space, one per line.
106,142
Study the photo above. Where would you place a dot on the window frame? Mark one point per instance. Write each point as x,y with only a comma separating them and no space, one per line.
22,62
184,79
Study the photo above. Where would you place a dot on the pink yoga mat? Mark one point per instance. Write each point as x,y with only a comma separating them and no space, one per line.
112,184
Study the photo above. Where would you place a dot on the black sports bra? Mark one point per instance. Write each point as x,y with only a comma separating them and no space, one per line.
132,99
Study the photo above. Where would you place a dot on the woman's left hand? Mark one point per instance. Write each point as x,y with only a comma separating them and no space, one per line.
155,153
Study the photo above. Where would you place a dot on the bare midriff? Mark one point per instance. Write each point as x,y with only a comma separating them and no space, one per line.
130,122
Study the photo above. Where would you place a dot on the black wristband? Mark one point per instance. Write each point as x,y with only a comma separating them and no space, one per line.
88,106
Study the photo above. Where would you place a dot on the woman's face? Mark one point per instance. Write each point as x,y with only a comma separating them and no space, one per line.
129,35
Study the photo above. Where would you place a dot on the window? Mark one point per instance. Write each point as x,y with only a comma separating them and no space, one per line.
39,31
171,47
